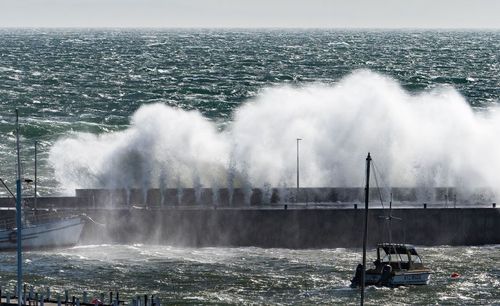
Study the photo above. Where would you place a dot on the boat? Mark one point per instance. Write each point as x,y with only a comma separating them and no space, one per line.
396,265
44,234
39,229
400,264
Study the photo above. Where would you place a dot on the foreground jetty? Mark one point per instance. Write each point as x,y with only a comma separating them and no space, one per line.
46,297
287,220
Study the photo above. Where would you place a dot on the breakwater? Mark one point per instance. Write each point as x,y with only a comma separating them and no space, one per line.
319,218
294,228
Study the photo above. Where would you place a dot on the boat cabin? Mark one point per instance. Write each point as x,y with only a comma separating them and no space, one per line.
398,256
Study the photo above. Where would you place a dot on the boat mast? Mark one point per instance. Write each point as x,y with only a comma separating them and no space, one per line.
19,223
365,233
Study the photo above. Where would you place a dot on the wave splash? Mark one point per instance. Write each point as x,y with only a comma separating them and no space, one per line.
432,139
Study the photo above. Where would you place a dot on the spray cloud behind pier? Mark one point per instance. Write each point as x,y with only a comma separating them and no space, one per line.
430,139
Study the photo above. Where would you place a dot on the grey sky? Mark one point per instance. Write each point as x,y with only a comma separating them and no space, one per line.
252,13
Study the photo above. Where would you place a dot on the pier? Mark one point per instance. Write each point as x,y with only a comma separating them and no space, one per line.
313,218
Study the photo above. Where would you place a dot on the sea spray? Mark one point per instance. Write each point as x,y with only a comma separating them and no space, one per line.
431,139
180,191
230,181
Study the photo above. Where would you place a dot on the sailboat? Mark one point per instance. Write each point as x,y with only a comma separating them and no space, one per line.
396,264
37,231
48,234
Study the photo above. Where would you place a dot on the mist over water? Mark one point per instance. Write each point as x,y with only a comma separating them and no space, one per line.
432,138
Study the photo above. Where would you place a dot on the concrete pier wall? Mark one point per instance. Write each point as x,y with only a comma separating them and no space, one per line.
257,217
294,228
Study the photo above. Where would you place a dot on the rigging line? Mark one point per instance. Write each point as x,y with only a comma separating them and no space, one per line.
6,187
363,184
388,223
388,218
385,185
378,187
386,227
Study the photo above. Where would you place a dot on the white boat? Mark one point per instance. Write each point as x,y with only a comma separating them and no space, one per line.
49,234
399,266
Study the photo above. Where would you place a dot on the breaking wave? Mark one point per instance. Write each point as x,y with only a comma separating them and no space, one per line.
430,139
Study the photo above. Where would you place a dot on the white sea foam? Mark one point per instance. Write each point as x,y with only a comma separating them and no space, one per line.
433,138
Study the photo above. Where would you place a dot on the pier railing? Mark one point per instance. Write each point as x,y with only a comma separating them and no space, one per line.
32,297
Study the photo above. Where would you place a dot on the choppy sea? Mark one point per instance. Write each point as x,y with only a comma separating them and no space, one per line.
319,85
225,276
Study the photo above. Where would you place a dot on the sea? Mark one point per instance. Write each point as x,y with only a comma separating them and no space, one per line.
223,108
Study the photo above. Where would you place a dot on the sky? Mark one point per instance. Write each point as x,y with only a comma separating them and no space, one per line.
252,13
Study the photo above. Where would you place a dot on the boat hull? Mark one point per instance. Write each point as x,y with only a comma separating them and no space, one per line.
400,278
60,233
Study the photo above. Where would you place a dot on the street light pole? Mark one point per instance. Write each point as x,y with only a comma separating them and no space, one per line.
298,170
36,144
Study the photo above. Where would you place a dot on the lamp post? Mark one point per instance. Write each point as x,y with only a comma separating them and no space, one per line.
36,144
298,170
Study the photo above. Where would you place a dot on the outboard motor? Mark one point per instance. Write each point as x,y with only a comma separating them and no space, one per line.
385,278
356,281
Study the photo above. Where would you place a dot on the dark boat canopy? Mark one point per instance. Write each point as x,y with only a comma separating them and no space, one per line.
395,248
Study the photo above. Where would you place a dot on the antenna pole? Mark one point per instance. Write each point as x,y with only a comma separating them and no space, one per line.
365,233
298,177
35,204
19,219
